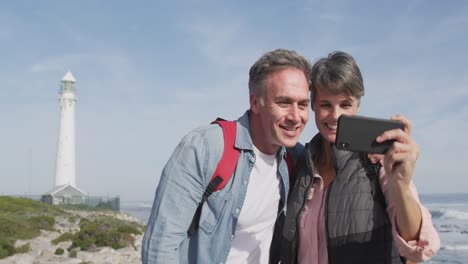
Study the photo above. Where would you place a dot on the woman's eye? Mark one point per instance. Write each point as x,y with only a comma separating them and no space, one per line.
346,105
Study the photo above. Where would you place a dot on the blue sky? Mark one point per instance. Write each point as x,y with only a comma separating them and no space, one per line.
148,72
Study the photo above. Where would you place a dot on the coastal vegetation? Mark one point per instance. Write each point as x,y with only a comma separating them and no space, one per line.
22,218
102,232
83,228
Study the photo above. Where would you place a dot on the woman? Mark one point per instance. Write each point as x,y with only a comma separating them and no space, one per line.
340,210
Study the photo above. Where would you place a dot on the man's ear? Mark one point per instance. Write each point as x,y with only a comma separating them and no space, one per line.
254,103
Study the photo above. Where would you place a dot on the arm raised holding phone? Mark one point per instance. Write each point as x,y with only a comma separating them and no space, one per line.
399,164
393,137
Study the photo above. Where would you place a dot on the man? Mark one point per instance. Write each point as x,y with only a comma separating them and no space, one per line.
236,223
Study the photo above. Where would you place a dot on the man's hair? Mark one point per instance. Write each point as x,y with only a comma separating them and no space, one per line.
337,73
274,61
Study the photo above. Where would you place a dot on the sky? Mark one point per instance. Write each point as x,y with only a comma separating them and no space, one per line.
148,72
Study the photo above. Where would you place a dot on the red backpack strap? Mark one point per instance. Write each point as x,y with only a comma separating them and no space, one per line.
224,170
228,162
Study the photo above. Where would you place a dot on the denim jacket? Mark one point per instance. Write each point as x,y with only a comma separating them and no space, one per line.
182,183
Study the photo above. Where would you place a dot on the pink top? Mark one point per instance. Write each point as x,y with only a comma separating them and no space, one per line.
312,234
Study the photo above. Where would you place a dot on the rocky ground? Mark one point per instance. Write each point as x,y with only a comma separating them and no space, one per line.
42,250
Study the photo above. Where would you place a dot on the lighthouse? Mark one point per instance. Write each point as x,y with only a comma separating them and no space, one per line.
65,190
65,163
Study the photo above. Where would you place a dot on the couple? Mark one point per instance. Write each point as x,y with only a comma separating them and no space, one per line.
334,212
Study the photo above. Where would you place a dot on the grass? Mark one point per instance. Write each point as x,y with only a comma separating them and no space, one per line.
23,218
25,207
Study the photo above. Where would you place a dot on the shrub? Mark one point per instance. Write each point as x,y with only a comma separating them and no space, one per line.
73,253
15,227
83,241
128,229
59,251
104,206
63,237
42,222
9,226
78,207
104,232
23,249
6,248
72,219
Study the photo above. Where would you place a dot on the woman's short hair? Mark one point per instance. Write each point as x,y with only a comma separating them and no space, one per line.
337,73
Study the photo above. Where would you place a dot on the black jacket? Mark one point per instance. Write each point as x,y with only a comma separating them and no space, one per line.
358,228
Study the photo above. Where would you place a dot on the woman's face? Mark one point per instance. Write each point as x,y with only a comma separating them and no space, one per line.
328,107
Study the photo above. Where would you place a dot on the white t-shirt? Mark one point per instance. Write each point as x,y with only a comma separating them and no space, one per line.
254,230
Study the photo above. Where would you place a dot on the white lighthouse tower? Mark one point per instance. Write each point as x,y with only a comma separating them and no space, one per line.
65,190
65,164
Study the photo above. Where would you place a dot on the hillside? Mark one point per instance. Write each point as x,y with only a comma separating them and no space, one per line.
31,231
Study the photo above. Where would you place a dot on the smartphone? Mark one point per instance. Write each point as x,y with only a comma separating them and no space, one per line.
358,133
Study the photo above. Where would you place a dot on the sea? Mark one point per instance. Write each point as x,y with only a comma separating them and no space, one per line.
449,216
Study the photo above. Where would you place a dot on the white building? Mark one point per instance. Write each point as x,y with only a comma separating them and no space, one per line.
65,163
65,190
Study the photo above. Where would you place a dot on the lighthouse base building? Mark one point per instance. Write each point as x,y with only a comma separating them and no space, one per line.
65,194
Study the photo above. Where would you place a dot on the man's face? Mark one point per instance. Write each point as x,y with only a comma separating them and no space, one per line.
282,110
328,107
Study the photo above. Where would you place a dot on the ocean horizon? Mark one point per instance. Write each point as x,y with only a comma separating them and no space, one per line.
449,215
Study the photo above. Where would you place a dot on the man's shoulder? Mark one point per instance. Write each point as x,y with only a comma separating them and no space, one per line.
212,135
208,131
205,137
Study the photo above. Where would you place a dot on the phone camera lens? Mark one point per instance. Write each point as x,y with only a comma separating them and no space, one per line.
344,145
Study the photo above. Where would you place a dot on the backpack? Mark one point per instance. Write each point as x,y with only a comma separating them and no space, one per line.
372,172
225,168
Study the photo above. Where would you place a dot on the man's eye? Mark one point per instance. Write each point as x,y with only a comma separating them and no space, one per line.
283,104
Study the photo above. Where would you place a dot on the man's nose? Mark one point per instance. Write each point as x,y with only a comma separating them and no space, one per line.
294,113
